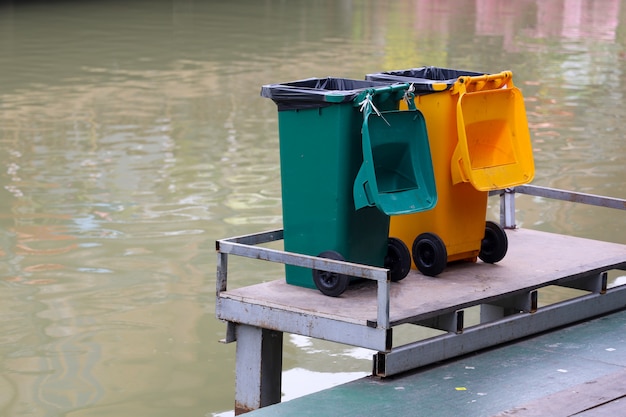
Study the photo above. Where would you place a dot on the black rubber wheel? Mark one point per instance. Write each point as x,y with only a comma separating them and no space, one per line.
495,243
398,259
331,284
430,254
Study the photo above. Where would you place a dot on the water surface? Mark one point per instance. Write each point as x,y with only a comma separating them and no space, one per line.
132,136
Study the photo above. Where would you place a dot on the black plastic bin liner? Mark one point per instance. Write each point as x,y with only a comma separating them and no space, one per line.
317,92
423,78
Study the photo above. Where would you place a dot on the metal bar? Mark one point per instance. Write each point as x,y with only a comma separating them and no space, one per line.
382,311
256,238
450,322
596,283
525,302
306,261
231,333
573,196
490,313
507,208
450,345
305,324
258,368
222,272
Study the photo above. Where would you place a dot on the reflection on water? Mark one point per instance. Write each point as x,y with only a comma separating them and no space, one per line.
132,135
293,386
315,381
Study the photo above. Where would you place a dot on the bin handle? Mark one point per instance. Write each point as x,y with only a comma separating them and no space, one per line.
386,89
362,189
471,84
362,192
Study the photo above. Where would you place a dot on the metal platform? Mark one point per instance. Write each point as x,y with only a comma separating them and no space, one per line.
367,312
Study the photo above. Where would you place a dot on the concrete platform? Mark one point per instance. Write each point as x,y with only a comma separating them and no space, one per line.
579,370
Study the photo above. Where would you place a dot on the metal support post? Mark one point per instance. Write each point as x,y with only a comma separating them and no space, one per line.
258,368
507,208
450,322
222,273
596,283
521,303
231,333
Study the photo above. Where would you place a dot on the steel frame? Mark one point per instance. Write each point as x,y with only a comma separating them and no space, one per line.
258,328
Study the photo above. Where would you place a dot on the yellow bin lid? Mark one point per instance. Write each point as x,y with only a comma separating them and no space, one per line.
494,149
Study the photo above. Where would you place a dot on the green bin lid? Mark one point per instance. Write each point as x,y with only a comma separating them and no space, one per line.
317,92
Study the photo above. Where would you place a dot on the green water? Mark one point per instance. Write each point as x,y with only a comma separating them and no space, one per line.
133,135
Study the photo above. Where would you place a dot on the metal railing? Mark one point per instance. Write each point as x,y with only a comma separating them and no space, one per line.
246,245
507,200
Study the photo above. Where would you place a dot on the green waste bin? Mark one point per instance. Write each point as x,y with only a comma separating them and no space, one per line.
331,131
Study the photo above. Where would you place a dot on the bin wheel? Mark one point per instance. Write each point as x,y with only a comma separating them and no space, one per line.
430,254
331,284
398,259
495,243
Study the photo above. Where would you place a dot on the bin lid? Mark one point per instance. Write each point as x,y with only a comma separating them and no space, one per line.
494,150
396,175
316,92
424,79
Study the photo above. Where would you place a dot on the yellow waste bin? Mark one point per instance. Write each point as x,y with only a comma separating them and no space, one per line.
479,141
